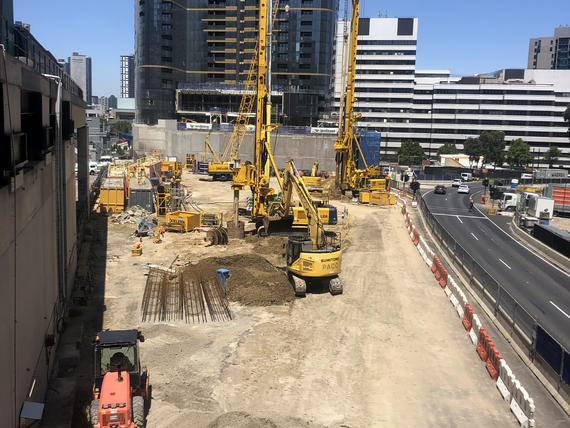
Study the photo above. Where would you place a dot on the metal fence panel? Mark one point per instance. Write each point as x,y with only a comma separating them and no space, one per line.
507,303
524,320
548,349
566,369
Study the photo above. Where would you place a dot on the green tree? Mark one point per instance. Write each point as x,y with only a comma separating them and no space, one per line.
473,148
518,153
410,153
551,155
567,117
447,149
121,127
493,146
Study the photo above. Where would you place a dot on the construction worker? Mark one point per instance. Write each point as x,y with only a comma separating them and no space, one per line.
470,203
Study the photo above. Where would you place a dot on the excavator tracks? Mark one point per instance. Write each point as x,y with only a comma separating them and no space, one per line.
335,286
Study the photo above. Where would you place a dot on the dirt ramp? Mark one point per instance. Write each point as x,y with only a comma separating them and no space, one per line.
253,280
245,420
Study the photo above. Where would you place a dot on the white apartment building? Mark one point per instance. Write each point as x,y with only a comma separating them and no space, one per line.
434,108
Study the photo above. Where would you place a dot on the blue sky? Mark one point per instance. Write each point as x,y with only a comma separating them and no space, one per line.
465,37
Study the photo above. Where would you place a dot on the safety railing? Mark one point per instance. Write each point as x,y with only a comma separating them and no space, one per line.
521,325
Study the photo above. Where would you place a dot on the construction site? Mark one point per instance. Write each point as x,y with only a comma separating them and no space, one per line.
231,287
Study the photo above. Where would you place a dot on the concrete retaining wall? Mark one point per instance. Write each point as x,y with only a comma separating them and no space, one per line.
303,149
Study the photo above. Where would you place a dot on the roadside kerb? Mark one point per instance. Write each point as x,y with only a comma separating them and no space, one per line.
521,404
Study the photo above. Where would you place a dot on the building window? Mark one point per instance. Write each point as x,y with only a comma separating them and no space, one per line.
166,27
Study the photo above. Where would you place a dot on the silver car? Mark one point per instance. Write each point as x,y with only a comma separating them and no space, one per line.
464,188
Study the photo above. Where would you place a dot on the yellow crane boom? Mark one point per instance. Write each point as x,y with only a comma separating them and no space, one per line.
348,176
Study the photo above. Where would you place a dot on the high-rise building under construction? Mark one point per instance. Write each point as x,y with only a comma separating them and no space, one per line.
194,56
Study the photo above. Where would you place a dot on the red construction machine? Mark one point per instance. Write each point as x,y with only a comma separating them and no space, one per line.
121,388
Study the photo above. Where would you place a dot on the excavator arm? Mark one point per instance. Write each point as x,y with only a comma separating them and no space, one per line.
208,147
292,181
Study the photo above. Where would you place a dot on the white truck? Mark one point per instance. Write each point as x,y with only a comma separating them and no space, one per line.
539,206
466,176
509,201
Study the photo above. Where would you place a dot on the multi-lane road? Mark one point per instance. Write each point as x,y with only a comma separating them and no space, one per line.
542,289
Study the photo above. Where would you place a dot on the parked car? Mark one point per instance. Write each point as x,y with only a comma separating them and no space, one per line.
93,168
440,188
457,182
464,188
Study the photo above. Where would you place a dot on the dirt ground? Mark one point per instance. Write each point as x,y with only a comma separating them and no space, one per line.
389,352
253,280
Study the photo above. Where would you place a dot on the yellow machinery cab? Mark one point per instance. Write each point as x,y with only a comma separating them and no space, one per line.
304,262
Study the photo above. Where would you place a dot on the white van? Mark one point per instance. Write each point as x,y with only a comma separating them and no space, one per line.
105,160
93,168
466,176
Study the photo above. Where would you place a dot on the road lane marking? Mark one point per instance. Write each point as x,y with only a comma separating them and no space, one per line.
464,216
521,245
459,219
556,306
474,236
505,264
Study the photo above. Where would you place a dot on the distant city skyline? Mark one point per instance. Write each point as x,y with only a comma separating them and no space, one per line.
451,35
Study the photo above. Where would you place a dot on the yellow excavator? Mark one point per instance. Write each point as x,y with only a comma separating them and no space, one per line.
317,254
347,146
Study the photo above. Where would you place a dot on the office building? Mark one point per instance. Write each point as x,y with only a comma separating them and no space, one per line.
40,216
434,108
205,45
104,103
7,25
550,52
127,76
112,101
64,65
80,72
385,74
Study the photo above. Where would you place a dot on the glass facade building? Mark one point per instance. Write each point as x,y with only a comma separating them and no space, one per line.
214,42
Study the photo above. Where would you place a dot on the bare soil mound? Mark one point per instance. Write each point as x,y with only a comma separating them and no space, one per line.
329,186
245,420
253,280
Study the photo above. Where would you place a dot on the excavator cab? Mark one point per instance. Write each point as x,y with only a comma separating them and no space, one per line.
121,386
304,263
